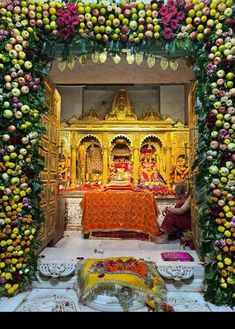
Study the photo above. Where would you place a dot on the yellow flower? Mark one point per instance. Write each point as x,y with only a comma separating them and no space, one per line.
227,233
19,265
2,264
221,229
7,286
223,285
229,214
227,261
227,224
8,276
230,281
220,265
219,257
226,208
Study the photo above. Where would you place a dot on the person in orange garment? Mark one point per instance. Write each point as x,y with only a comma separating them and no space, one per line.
178,218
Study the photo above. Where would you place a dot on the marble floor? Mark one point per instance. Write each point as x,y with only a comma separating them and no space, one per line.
52,295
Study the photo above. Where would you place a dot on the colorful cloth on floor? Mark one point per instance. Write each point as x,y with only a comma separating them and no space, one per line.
120,211
127,278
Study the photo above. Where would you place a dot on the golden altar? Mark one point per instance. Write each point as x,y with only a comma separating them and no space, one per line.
122,148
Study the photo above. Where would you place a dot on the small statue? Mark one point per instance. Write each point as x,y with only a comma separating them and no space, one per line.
180,170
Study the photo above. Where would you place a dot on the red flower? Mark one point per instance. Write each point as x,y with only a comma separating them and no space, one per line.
174,24
167,33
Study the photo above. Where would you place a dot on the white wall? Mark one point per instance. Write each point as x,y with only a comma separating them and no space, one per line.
71,101
172,102
170,99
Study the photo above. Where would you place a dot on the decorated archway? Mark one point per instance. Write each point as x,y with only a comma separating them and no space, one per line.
33,33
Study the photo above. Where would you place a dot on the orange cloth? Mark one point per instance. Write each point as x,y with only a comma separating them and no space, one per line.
120,211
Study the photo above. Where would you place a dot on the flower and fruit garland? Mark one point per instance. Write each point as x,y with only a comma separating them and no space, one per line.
204,28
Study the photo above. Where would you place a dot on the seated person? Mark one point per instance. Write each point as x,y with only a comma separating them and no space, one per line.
176,219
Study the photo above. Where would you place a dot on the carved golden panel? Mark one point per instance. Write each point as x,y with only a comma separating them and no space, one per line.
44,193
53,162
52,190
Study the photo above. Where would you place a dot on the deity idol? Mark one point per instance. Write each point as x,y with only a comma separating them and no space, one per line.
120,171
149,174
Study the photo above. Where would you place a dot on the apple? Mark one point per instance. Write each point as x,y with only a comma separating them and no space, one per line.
6,137
25,90
5,176
25,109
7,78
21,81
10,148
213,170
133,25
6,104
214,145
220,73
227,116
231,110
13,53
231,147
24,140
16,92
8,114
28,65
11,129
229,164
28,77
18,115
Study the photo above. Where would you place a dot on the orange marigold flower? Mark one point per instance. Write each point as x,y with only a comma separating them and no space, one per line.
218,221
229,241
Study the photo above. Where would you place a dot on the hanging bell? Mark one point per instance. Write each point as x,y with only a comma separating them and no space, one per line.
71,63
164,64
83,59
174,64
103,57
130,58
95,57
62,65
151,61
117,59
139,57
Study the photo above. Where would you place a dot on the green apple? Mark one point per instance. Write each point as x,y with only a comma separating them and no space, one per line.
8,114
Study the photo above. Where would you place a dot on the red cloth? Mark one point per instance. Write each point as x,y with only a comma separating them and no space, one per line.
120,211
173,223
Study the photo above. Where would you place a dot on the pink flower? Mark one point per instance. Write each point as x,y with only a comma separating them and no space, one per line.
173,11
167,33
174,24
72,8
163,11
171,3
180,15
60,21
166,19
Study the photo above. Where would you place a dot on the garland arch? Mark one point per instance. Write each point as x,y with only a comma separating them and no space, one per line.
33,33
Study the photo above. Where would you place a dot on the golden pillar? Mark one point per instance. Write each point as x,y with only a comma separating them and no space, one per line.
105,165
73,165
136,166
168,150
82,153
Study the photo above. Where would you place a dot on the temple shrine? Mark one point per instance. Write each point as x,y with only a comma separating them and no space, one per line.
148,152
